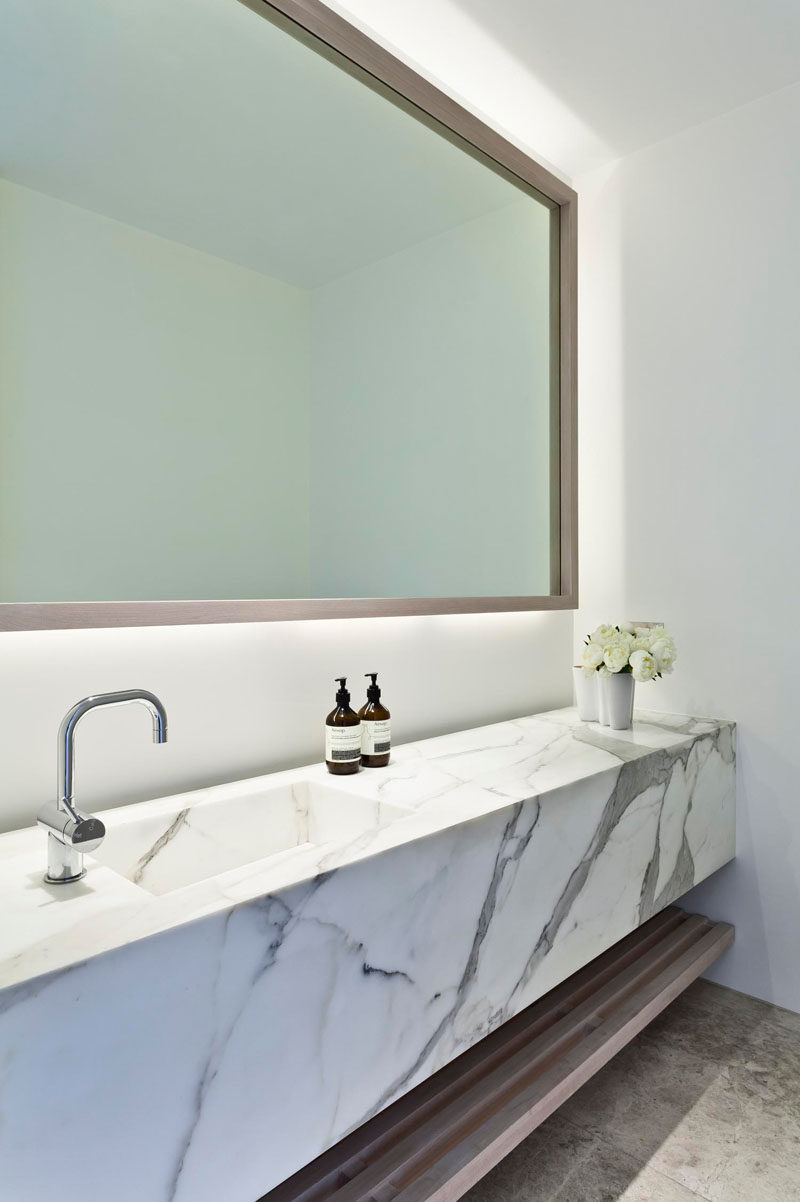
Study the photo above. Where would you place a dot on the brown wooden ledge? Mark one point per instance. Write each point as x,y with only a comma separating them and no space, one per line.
440,1138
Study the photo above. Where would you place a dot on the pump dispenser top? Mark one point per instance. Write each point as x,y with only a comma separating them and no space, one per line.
342,694
373,690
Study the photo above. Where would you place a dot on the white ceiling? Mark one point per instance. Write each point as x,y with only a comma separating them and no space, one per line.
581,82
200,121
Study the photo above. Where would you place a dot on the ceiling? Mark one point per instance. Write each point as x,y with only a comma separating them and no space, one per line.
200,121
581,82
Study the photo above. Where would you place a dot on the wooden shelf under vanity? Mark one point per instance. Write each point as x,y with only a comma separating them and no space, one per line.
437,1141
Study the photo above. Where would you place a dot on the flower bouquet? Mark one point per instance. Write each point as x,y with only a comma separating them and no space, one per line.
612,660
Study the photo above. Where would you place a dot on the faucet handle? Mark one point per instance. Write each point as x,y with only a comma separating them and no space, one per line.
71,827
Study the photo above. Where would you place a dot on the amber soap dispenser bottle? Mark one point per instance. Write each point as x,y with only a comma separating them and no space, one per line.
342,735
376,728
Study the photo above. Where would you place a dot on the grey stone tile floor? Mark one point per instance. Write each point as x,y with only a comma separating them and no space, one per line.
704,1104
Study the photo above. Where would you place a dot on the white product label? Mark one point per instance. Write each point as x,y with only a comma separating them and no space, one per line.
342,743
376,737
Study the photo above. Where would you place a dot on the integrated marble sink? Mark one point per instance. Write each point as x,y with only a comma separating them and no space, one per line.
176,847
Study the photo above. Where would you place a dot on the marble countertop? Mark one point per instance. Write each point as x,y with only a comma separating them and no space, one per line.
443,782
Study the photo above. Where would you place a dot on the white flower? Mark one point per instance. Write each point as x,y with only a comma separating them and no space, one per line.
603,671
640,644
664,654
615,657
603,635
591,657
643,665
618,638
646,632
627,627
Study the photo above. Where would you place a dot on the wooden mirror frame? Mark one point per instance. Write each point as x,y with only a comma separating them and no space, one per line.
330,34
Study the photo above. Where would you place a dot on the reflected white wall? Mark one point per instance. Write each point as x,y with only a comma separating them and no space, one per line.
430,416
155,415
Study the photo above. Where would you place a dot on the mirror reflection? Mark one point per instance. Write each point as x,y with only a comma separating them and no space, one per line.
265,333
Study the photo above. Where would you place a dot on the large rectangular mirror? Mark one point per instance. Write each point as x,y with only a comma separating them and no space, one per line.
280,321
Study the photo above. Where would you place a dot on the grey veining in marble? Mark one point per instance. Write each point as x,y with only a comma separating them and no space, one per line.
237,1026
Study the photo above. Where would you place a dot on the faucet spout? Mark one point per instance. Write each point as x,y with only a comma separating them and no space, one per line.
66,732
70,832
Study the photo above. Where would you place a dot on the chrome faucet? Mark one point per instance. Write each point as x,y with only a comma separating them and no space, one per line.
69,832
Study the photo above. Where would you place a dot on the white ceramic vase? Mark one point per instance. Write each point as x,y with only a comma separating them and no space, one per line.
617,700
586,695
602,704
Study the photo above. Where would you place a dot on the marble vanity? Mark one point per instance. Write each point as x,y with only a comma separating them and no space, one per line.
249,972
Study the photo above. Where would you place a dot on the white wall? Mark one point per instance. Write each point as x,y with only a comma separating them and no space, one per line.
158,396
689,437
430,406
253,698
